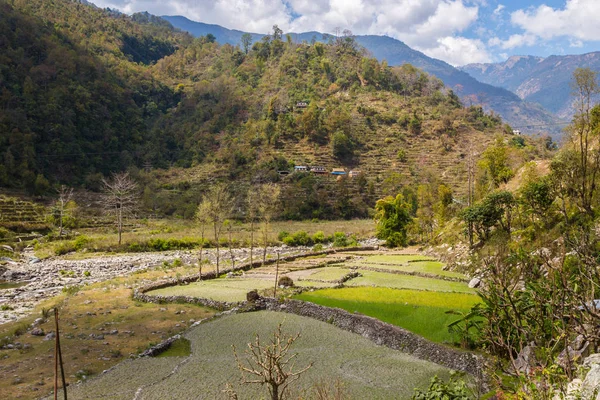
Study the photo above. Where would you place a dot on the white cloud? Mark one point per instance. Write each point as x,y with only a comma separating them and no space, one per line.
513,41
498,11
460,51
578,19
431,26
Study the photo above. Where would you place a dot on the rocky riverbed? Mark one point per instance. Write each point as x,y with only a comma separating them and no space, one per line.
46,278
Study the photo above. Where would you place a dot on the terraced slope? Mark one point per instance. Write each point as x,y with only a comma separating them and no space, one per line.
365,369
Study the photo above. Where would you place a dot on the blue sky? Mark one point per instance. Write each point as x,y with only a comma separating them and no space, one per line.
456,31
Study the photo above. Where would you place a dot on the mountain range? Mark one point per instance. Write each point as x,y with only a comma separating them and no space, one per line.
527,116
545,81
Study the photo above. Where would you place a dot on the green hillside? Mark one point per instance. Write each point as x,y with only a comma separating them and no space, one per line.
87,91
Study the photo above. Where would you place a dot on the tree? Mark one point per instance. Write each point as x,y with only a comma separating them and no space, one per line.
584,135
65,194
392,216
202,217
268,198
120,198
251,215
271,364
246,42
217,205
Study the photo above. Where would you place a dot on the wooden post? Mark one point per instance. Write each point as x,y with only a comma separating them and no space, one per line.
276,276
57,360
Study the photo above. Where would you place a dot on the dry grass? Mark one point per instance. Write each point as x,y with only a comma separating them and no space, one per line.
98,309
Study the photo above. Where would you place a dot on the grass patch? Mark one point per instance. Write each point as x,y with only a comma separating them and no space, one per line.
330,274
423,313
427,267
222,289
367,371
398,258
381,279
181,347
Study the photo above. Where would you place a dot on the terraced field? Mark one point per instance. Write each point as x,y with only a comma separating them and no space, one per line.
366,371
410,291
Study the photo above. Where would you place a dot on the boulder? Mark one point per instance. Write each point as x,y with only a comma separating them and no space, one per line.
37,332
590,388
474,283
526,359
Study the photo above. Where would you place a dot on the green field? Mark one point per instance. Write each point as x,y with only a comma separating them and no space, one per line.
222,289
367,371
330,274
430,267
396,281
421,312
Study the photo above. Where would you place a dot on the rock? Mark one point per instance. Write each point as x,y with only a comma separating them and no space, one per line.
37,332
34,260
96,336
474,283
7,248
526,359
50,336
37,321
590,388
571,357
113,332
252,295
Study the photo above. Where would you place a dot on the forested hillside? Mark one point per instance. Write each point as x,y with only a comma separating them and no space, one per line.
86,92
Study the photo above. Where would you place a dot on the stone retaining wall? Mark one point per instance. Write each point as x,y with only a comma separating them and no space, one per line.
383,334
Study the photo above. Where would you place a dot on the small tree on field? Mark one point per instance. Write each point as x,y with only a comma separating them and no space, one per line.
271,364
61,209
216,205
120,198
202,217
251,215
268,197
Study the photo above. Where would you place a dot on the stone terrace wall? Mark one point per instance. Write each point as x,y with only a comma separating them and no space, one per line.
383,334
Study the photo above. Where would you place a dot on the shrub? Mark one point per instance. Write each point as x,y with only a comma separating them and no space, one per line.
64,248
299,238
282,235
319,237
80,242
318,247
286,281
340,239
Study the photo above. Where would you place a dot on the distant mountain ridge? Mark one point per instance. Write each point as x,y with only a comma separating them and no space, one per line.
542,80
502,101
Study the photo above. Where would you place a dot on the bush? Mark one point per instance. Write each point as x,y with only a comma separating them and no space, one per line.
80,242
64,248
286,281
318,247
340,239
319,237
282,235
299,238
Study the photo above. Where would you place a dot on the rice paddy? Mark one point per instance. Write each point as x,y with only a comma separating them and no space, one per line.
419,303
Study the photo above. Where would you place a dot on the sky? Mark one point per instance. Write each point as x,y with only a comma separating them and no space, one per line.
456,31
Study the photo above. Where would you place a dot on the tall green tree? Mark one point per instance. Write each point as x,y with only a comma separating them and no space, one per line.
392,215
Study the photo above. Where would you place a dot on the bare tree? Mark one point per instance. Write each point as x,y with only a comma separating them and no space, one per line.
270,364
217,205
65,194
268,198
120,198
251,215
202,217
